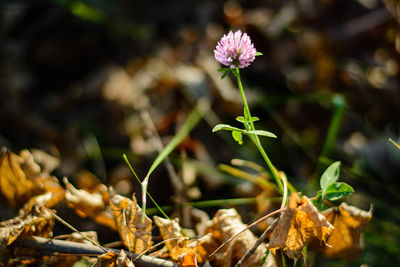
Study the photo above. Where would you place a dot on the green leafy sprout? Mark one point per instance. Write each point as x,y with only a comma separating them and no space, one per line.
331,190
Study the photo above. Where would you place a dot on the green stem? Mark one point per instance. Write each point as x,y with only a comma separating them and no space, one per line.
250,126
247,115
283,258
269,163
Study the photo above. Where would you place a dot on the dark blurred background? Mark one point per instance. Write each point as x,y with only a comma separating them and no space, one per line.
77,77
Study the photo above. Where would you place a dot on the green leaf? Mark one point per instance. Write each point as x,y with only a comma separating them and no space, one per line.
261,132
330,175
337,191
225,74
259,54
224,69
85,11
319,202
227,127
238,137
236,73
242,120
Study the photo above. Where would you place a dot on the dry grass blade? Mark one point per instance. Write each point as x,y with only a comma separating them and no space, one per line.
75,230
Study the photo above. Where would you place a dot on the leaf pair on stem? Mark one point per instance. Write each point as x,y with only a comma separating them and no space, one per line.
331,189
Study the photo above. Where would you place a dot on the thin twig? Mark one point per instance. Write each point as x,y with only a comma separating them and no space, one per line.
47,247
75,230
257,244
156,245
248,227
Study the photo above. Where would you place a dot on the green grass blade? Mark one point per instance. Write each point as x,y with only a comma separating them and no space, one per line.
192,120
339,103
394,143
148,194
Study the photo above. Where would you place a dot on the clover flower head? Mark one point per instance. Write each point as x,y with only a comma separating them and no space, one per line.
235,50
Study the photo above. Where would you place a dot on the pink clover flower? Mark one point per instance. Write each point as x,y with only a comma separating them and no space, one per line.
235,50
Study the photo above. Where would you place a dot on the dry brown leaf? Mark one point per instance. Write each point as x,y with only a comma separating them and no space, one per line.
21,178
345,240
112,259
178,245
84,203
135,233
88,181
298,224
225,224
15,187
92,205
187,260
31,220
46,161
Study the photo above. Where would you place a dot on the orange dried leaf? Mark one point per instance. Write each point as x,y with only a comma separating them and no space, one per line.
15,187
84,203
298,224
135,234
112,259
177,244
90,205
345,240
88,181
226,224
187,260
21,178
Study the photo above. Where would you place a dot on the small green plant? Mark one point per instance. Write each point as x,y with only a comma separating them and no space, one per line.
236,51
331,190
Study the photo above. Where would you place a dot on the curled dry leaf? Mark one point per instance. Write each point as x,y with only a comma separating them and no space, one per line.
187,260
226,224
31,220
21,178
112,259
345,240
46,161
178,245
299,223
92,205
135,233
